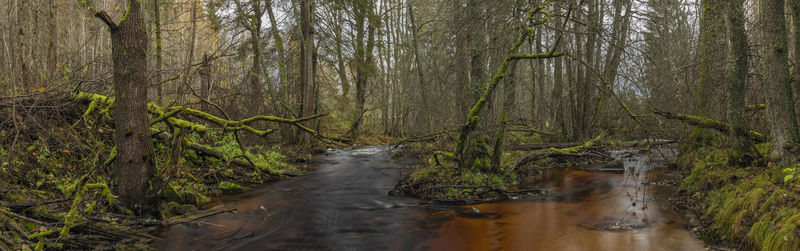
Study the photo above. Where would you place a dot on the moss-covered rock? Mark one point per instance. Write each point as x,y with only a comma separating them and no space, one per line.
230,187
194,198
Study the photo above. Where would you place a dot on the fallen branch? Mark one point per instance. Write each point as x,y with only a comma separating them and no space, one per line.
531,147
575,149
202,214
26,204
705,122
426,137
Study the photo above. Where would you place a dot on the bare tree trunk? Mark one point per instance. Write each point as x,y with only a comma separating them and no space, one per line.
425,110
540,83
135,166
307,64
777,85
557,112
205,82
255,74
159,57
187,68
339,57
52,60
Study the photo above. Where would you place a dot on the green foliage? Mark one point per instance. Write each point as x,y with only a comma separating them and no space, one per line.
744,205
791,176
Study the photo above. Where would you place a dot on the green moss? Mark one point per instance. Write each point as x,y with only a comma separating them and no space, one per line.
784,236
230,187
170,194
474,178
13,197
710,171
778,198
427,173
764,148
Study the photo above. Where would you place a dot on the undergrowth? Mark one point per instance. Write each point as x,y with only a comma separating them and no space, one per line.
754,207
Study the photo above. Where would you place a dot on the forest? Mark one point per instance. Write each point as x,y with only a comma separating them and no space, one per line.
399,124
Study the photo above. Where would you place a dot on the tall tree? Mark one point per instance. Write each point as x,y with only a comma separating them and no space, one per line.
52,59
712,56
307,60
365,24
424,108
737,83
777,85
159,56
135,165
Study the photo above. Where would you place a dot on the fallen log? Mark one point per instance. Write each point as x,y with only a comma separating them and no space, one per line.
705,122
189,218
531,147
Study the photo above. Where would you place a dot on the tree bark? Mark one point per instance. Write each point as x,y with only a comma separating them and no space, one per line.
307,62
159,57
712,56
777,85
205,83
135,165
52,59
187,68
741,145
427,117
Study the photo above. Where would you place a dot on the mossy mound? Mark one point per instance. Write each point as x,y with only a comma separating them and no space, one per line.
751,207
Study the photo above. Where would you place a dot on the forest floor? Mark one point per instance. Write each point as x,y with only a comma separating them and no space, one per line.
56,157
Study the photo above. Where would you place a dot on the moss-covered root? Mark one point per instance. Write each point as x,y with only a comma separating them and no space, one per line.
579,148
72,215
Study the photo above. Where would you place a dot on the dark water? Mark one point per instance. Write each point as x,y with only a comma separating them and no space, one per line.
343,206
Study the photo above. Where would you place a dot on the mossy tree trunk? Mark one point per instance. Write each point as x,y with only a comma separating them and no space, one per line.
471,149
135,165
508,105
475,147
740,142
777,85
712,57
366,21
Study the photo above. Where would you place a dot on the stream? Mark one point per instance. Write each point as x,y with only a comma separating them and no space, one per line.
343,205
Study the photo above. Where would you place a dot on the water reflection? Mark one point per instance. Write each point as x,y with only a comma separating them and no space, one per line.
343,205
